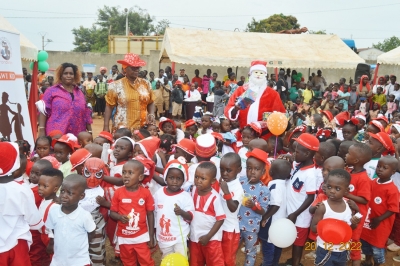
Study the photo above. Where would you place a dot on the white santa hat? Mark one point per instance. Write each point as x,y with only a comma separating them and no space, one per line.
258,65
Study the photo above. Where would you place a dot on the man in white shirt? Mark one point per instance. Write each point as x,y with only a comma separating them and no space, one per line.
390,87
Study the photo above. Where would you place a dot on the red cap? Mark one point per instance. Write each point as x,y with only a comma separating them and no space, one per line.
186,145
385,140
334,231
382,117
68,139
79,157
344,118
55,133
205,146
178,82
301,129
377,124
132,60
107,135
258,154
308,141
189,123
328,114
9,158
179,164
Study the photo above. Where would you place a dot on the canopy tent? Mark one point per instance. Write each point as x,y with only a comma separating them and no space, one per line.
390,58
28,50
226,48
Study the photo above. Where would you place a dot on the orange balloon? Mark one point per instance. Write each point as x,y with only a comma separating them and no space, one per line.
277,123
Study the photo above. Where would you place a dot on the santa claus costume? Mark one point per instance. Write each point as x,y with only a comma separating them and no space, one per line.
267,99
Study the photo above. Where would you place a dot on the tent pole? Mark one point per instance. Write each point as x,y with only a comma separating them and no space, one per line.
173,67
33,98
375,75
236,72
309,73
276,74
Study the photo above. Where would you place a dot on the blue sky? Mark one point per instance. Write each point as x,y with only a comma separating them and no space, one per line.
366,21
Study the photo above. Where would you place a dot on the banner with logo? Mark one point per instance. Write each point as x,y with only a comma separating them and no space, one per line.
14,115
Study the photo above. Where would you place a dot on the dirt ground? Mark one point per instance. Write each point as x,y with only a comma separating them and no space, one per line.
97,126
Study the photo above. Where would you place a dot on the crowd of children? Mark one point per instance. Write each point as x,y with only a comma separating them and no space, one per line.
203,188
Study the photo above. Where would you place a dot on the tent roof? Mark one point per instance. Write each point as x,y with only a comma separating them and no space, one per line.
28,50
226,48
390,58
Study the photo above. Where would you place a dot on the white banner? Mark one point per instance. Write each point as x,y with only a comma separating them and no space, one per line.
14,115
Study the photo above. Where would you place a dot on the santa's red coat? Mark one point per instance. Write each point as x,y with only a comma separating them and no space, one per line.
269,102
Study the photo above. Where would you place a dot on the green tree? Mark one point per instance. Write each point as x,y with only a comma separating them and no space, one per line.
274,23
111,20
388,44
162,26
323,32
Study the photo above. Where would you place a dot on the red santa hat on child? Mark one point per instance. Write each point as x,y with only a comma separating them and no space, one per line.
149,146
386,142
179,164
69,139
149,168
9,158
258,65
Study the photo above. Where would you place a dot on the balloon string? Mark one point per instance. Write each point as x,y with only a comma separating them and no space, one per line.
183,241
276,144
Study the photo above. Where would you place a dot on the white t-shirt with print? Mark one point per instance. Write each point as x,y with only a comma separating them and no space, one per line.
231,223
302,183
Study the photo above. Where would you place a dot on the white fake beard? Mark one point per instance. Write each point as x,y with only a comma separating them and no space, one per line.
256,84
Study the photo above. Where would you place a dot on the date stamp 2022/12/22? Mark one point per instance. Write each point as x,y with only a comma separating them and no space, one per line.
343,246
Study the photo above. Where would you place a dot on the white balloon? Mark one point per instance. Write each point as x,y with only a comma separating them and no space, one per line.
282,233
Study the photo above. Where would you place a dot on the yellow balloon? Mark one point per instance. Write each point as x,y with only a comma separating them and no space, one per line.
277,123
175,259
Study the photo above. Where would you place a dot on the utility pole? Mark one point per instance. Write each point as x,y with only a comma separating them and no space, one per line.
43,34
126,26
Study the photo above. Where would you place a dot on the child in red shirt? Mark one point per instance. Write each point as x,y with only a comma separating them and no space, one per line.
359,189
384,203
132,206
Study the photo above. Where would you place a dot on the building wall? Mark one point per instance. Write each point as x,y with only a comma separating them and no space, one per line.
108,60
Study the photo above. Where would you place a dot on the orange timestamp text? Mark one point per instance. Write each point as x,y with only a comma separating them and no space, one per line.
343,246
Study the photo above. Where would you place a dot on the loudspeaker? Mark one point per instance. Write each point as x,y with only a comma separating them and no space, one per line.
362,69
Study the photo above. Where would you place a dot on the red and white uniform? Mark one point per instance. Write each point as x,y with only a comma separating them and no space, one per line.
167,225
35,190
360,185
208,210
18,214
133,236
267,101
134,205
302,183
384,197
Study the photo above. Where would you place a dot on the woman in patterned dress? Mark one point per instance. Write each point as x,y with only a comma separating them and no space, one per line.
64,106
132,96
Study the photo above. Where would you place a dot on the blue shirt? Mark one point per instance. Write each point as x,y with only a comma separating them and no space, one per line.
249,220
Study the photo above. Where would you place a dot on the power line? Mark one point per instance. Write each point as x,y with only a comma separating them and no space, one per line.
51,17
179,16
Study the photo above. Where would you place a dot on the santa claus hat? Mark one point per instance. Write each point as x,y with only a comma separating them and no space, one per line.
9,158
381,117
149,168
328,114
258,65
149,146
378,125
258,126
79,157
361,116
179,164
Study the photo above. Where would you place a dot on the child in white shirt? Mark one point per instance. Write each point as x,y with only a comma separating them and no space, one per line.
174,210
231,192
73,227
